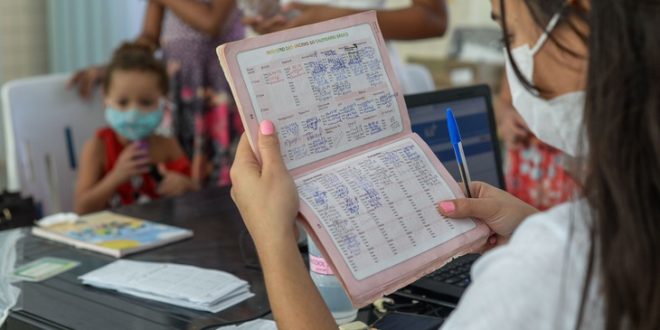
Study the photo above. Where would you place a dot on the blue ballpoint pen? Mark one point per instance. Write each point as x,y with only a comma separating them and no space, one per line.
455,137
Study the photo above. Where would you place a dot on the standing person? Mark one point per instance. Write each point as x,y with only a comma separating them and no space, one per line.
591,263
187,32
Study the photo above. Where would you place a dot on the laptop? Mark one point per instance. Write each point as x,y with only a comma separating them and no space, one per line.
473,109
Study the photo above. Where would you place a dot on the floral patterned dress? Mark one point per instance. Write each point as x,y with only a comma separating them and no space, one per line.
537,175
204,118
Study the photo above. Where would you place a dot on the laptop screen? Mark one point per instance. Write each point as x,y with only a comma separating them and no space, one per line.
474,116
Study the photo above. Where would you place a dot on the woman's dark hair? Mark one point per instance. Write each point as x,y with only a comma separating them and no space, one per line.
136,57
622,172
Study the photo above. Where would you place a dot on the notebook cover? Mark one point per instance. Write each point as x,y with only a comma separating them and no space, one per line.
112,234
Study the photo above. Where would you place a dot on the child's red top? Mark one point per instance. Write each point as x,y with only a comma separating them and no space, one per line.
127,193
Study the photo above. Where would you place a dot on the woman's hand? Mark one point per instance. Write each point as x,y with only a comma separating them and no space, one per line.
87,79
262,25
295,14
265,193
267,198
304,14
501,211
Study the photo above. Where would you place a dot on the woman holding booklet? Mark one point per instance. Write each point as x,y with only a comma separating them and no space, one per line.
589,263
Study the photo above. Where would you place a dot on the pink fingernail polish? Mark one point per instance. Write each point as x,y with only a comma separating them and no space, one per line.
267,127
447,207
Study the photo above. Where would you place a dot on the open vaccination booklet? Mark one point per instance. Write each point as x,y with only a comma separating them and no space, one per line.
368,186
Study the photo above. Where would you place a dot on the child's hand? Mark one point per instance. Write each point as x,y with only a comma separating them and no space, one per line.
133,160
173,183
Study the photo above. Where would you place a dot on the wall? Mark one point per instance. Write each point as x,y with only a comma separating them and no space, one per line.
45,36
24,44
85,32
23,48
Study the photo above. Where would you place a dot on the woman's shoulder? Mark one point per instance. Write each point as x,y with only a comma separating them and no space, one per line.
541,241
567,221
544,247
534,279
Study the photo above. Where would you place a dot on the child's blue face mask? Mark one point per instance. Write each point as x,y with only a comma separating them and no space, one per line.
134,124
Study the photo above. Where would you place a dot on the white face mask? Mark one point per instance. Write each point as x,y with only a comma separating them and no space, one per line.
557,122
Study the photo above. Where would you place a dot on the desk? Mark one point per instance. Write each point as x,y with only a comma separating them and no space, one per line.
63,302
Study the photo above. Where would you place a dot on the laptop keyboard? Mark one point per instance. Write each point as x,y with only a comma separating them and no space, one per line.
447,283
456,272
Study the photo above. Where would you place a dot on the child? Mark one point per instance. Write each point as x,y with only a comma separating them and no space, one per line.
127,162
187,32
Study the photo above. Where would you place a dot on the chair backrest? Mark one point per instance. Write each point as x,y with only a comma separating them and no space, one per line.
419,79
46,125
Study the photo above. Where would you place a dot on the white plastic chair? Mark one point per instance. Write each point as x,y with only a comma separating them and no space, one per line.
419,79
45,127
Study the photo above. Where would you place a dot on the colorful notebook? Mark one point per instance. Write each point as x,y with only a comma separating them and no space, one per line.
368,185
112,234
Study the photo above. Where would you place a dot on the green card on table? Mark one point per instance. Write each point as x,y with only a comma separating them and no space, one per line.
44,268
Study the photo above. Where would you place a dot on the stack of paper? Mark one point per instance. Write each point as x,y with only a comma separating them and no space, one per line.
181,285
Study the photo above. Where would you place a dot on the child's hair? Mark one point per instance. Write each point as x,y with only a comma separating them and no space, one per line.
132,56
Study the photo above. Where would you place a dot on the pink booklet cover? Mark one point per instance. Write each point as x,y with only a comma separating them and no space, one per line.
368,185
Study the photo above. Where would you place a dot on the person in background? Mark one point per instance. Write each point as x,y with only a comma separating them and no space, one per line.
126,162
535,171
421,19
187,32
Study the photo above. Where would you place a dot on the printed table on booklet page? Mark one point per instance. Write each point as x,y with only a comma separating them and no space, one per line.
326,93
379,207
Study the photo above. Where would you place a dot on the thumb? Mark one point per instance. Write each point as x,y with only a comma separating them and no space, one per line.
269,147
162,169
479,208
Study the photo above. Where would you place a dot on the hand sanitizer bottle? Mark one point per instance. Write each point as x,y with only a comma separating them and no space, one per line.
331,290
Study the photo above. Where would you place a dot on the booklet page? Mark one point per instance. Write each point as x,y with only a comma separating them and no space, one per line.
326,93
380,207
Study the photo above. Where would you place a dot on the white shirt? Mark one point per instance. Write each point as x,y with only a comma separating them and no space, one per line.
535,281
